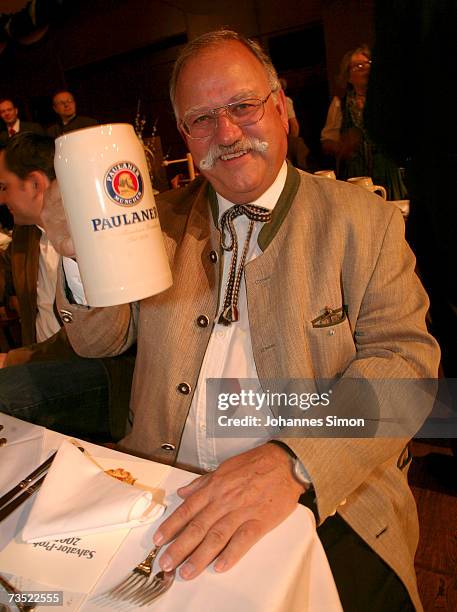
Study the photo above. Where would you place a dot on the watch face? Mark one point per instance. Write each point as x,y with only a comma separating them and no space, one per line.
301,474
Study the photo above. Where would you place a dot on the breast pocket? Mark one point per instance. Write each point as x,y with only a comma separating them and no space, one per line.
331,343
330,317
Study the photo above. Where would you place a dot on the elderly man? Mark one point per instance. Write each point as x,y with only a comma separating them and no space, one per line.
64,105
9,113
324,287
49,385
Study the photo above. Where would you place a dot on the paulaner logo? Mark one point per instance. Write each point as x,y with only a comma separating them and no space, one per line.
124,184
149,214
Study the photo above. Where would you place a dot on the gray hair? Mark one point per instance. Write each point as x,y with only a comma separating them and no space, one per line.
218,37
343,75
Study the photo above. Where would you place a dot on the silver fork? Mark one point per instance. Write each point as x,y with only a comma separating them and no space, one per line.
159,585
138,578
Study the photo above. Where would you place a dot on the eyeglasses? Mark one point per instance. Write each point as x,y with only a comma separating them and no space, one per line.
243,112
360,66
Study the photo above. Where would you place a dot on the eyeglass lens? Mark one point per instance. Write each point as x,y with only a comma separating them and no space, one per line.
361,66
243,112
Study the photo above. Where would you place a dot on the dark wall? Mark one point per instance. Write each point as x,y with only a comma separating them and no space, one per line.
113,53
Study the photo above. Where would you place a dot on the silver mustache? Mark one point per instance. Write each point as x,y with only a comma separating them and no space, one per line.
241,146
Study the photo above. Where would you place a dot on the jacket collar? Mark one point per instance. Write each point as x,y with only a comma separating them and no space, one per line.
269,230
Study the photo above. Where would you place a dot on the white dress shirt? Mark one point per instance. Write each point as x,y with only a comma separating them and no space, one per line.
47,323
228,355
16,127
332,127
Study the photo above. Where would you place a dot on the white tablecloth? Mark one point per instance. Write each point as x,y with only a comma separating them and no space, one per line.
286,571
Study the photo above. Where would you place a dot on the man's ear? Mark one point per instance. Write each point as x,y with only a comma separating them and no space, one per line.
39,182
280,103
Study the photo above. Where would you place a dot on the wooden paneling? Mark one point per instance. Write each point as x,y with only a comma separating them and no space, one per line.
98,29
274,15
433,479
438,521
347,24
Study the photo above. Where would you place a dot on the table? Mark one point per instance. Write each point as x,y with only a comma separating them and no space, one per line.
286,571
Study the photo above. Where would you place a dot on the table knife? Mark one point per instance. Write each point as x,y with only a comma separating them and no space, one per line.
17,501
27,481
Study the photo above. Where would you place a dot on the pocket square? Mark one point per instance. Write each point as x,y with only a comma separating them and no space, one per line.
330,316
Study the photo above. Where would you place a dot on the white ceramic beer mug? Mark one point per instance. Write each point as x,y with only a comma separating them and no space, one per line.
367,183
110,208
325,173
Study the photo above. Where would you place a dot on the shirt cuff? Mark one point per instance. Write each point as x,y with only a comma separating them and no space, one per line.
73,279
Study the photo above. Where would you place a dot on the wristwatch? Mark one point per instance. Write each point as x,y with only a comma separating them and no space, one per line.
298,469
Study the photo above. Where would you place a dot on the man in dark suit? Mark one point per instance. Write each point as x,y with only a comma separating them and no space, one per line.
12,124
50,385
63,103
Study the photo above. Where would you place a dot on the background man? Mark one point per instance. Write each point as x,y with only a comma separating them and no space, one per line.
12,124
324,289
53,387
64,105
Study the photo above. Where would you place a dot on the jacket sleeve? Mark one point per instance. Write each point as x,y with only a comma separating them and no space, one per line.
6,279
397,359
96,332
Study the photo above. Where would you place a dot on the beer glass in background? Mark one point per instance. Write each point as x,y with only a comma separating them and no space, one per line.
326,173
367,183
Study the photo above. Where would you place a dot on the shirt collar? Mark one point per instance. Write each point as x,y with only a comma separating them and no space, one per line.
267,200
68,120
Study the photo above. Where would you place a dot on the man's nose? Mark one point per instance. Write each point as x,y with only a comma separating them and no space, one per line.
227,131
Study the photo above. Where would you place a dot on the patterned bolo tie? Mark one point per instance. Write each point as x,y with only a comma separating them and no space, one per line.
253,213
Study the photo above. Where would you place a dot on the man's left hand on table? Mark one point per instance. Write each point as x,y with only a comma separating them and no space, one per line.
227,511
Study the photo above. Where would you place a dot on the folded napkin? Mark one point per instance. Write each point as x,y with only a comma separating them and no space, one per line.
79,498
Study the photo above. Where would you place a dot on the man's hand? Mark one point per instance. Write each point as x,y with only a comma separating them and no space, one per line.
55,222
3,357
228,511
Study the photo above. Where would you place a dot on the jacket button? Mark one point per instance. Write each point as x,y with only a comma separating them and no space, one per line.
66,316
184,388
167,446
202,321
213,256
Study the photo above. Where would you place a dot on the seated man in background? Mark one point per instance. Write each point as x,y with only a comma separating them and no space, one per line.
9,113
64,105
324,289
53,387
